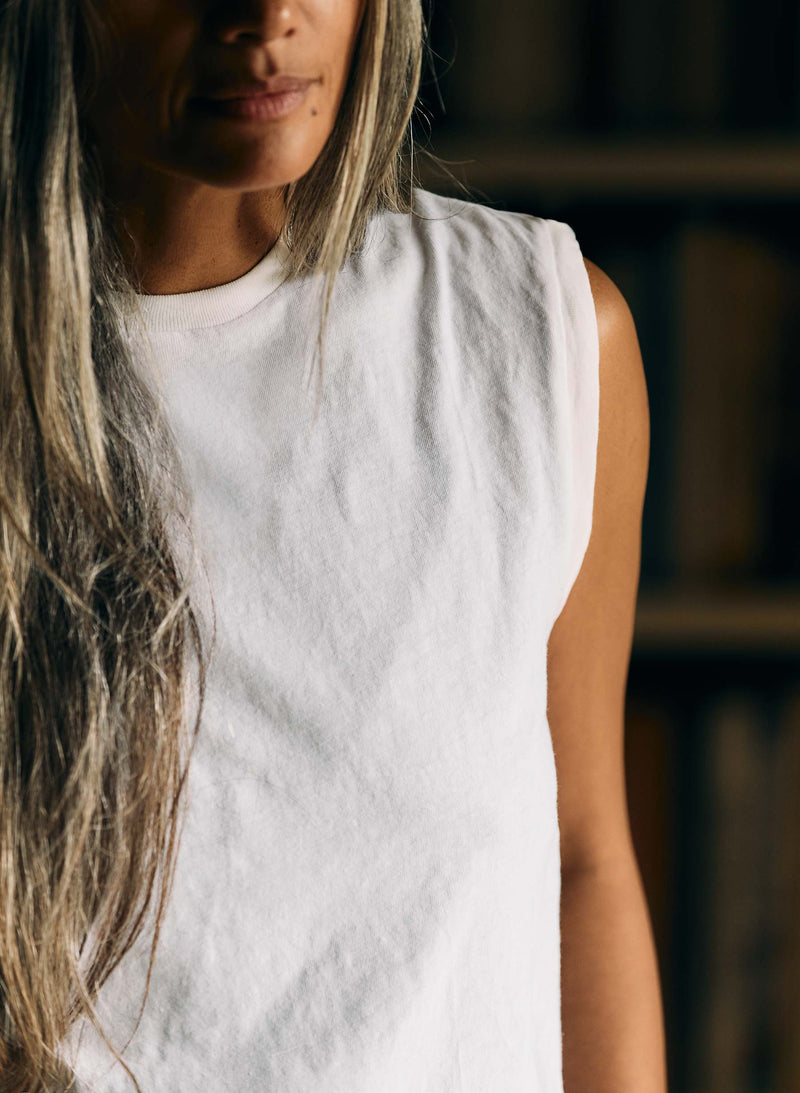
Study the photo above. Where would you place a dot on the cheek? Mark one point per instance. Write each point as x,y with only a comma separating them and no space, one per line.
150,40
342,38
143,93
340,27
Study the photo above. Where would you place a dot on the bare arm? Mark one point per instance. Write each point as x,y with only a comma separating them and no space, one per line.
611,1004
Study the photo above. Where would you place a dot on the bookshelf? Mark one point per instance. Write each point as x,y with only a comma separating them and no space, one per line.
665,166
668,136
743,621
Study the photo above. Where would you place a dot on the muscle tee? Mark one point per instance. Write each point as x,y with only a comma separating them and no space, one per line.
367,891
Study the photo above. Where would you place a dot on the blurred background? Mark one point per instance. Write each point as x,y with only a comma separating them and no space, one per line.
667,134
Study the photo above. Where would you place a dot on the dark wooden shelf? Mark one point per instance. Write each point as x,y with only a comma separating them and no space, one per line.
751,167
755,620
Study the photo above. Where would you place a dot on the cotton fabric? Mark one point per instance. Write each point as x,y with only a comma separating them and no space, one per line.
367,890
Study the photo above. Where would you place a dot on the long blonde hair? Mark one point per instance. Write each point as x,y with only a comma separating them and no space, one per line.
96,618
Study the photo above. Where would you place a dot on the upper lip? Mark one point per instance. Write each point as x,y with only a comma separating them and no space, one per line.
245,89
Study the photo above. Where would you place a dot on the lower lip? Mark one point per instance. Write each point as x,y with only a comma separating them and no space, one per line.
256,107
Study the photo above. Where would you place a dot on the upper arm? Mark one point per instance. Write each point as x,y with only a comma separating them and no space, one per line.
589,647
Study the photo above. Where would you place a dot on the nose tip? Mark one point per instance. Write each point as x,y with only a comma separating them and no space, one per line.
263,22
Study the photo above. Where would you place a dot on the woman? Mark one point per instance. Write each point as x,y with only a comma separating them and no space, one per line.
345,870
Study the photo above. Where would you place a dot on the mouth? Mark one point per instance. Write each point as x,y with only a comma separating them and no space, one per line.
255,87
254,105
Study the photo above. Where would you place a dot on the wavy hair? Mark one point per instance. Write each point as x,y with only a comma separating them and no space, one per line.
96,617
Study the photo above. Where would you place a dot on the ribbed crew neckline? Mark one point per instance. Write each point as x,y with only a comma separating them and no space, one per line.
219,304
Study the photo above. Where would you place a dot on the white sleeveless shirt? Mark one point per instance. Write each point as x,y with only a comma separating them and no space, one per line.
367,890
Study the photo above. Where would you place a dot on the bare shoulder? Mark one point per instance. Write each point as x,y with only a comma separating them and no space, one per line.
610,305
624,407
590,644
